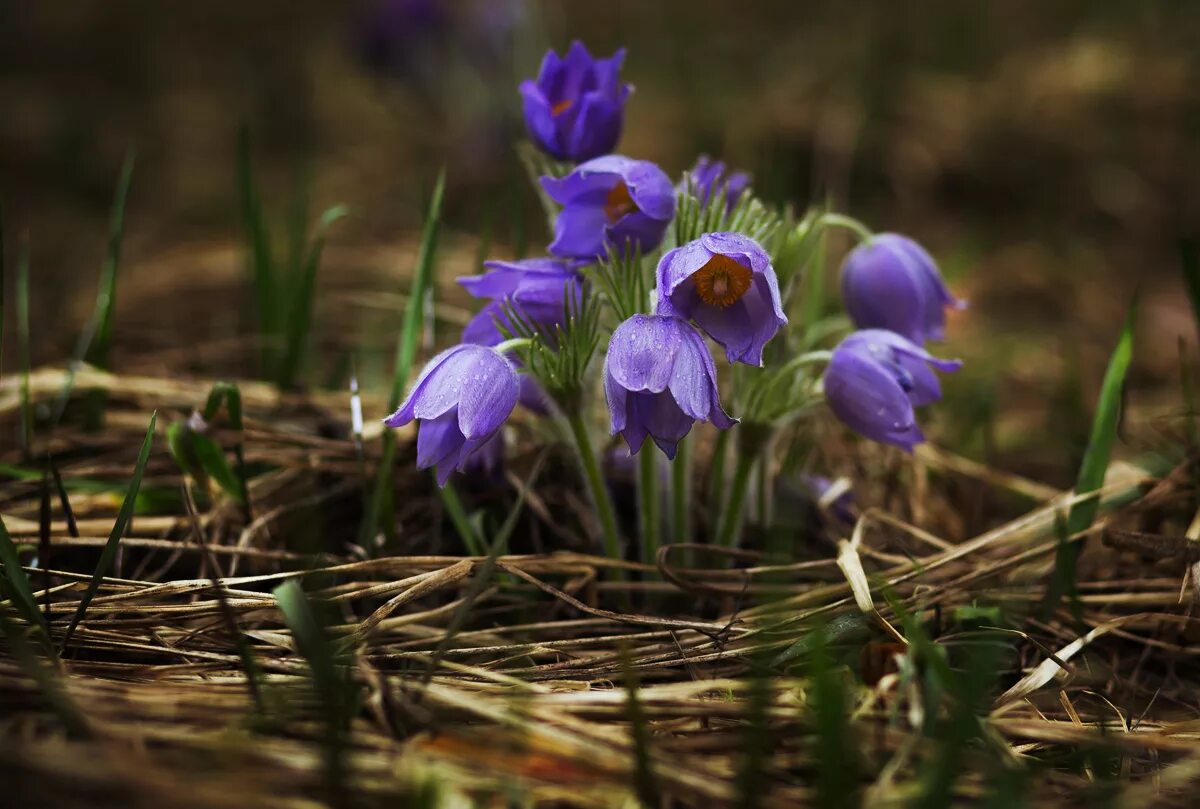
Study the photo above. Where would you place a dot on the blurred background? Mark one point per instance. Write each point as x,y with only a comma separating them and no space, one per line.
1047,153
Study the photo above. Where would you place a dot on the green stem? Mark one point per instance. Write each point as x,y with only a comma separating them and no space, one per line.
731,515
839,220
513,344
716,473
595,481
681,492
648,512
763,490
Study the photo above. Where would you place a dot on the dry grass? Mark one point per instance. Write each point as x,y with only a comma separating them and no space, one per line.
517,685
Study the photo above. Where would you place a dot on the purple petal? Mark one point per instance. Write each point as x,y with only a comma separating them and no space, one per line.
641,354
636,230
437,439
579,231
869,400
487,394
428,396
597,126
660,416
539,119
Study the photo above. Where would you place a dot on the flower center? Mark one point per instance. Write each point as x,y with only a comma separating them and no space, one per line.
722,281
561,107
618,202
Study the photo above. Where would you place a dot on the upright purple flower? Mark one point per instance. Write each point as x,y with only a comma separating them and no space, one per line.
724,282
659,379
461,398
890,282
611,200
708,177
575,108
538,289
874,381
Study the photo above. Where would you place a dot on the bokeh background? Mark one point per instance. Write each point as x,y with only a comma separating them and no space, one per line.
1048,153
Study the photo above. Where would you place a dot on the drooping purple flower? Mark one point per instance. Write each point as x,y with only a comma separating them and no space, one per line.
834,497
726,284
614,201
538,289
708,177
461,398
575,108
659,379
890,282
875,379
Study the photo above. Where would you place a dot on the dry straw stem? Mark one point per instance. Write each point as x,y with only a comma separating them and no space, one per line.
527,695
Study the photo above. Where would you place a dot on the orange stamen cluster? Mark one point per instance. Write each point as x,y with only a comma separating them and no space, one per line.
722,281
618,202
561,107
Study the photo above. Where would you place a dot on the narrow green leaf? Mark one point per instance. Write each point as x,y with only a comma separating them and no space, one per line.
645,785
334,689
299,314
106,299
1095,464
46,678
19,589
258,251
228,617
229,394
406,350
410,333
462,523
23,348
118,530
1189,257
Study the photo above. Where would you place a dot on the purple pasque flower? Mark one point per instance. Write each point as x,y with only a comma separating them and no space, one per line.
708,176
461,398
726,284
834,497
890,282
538,289
659,379
575,108
875,379
614,201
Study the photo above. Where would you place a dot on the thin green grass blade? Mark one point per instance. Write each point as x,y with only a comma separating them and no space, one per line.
333,688
410,333
106,298
3,287
18,588
1189,258
462,523
258,252
1095,462
299,314
118,530
406,350
43,556
23,348
46,678
645,785
228,617
229,394
755,748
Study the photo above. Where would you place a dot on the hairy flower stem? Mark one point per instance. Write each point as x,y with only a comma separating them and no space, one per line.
681,493
860,230
595,481
731,516
753,439
649,518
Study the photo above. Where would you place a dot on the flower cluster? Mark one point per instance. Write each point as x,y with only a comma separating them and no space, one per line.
711,282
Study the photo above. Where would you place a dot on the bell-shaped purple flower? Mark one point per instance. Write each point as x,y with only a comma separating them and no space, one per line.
538,289
875,379
614,201
890,282
461,398
708,177
726,284
660,379
575,108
